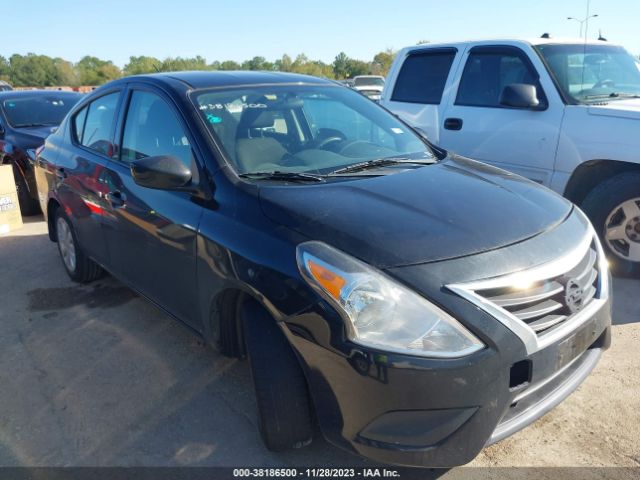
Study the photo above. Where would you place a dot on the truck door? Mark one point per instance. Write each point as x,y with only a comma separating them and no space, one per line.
418,90
476,124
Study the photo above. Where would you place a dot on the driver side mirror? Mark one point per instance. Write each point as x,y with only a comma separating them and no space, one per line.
162,172
521,95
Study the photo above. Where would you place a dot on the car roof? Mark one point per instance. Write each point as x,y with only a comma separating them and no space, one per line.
31,93
208,79
512,41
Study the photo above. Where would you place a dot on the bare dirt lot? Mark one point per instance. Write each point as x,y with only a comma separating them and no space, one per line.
95,376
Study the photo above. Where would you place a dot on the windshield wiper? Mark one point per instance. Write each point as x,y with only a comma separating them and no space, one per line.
27,125
286,176
379,162
614,95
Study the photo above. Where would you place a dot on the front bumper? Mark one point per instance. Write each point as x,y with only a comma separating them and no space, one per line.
415,411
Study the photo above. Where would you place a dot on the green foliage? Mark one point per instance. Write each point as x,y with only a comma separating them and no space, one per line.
382,62
42,71
93,71
32,69
178,64
229,65
142,64
5,69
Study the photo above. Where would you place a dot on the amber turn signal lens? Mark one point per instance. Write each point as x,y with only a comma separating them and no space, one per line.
330,281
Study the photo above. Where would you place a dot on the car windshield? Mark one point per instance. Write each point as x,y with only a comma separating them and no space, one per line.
592,72
369,81
303,128
37,110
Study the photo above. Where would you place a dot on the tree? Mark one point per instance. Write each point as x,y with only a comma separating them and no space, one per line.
142,64
341,66
5,68
382,62
93,71
357,67
65,72
284,64
229,65
257,63
32,70
179,64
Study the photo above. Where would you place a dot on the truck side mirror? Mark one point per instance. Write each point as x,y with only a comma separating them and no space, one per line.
520,95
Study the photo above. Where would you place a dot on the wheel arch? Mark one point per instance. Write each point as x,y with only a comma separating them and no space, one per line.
224,327
590,174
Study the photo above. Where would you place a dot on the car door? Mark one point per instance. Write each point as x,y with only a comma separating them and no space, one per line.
151,233
476,124
75,172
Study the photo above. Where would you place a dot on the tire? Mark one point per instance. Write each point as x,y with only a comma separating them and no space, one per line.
284,406
614,209
28,206
78,266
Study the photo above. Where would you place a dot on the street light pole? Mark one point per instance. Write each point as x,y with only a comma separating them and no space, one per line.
584,21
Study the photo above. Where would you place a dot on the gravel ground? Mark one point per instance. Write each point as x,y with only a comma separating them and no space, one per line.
95,376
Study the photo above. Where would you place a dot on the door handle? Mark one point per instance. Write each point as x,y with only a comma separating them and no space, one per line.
116,199
60,173
453,124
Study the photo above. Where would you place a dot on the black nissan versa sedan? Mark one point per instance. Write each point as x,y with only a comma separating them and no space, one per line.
418,304
26,119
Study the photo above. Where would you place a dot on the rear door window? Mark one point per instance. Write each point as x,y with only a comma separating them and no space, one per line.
98,125
423,76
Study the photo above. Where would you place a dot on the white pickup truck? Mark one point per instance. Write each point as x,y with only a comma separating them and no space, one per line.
563,113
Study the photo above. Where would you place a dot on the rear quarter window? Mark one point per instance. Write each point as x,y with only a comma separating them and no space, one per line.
423,76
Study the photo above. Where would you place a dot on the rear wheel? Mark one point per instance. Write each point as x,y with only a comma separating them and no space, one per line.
284,406
78,266
614,209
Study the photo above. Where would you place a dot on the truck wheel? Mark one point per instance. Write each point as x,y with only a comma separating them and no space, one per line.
614,209
284,407
28,206
78,266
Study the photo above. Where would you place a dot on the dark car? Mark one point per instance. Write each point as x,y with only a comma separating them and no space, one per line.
26,118
418,304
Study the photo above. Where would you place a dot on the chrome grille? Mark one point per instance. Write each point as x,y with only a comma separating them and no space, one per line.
546,304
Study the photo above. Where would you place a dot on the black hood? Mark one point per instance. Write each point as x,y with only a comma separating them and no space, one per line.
451,209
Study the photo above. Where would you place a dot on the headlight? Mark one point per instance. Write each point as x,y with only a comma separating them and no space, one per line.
378,311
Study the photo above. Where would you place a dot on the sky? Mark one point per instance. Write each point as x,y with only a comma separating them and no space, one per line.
241,29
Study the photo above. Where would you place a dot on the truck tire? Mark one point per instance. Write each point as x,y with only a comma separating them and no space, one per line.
284,406
614,209
77,264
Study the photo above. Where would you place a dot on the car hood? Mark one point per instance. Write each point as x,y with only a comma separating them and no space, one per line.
454,208
627,108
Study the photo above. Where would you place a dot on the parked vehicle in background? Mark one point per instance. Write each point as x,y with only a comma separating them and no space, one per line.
4,86
26,119
563,113
369,85
378,285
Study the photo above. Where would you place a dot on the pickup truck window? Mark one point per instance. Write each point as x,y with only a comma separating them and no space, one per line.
592,72
487,73
423,76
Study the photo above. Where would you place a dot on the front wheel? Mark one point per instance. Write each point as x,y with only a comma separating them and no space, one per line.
284,406
614,209
28,205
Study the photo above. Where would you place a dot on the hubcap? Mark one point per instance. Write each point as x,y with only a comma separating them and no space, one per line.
622,230
66,245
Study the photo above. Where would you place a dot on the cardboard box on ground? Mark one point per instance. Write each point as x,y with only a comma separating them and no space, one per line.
10,218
